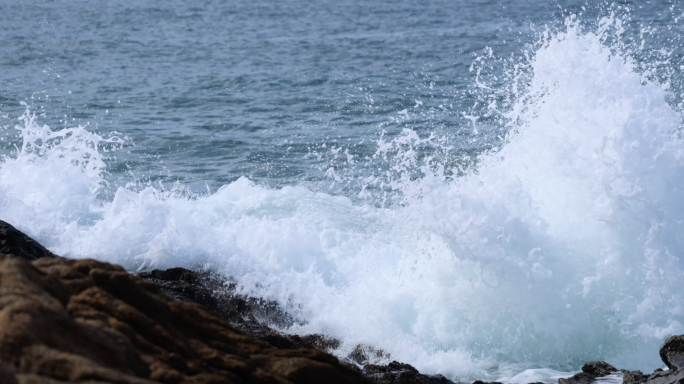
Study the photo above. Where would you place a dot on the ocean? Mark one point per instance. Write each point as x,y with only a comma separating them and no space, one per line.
485,190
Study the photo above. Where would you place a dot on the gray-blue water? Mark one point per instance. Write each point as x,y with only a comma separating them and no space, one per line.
317,151
211,91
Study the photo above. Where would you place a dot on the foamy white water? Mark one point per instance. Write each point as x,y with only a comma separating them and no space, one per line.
563,247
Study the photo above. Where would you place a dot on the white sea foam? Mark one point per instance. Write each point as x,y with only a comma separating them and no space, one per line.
543,375
564,246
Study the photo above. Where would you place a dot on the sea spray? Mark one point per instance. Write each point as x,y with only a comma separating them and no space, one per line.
560,247
56,176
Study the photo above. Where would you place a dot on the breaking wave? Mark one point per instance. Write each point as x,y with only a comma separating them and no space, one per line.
561,247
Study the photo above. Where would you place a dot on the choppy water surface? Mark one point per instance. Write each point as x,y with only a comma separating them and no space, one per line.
482,189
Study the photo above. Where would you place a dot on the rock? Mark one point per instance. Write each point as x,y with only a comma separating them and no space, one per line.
598,368
322,342
666,377
399,373
282,341
247,313
633,377
7,375
672,352
15,243
394,366
251,315
85,321
590,371
364,354
580,378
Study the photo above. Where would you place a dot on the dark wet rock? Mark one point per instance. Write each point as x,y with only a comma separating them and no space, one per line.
283,341
399,373
280,341
485,382
580,378
15,243
253,317
211,290
7,374
590,371
84,321
250,315
394,366
365,354
598,368
672,352
666,377
633,377
322,342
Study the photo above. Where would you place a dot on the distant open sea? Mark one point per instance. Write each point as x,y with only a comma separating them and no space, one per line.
483,189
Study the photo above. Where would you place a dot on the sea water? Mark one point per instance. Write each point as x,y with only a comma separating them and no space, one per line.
482,190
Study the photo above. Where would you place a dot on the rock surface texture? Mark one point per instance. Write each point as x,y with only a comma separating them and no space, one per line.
16,243
590,372
210,290
398,373
250,316
633,377
84,321
666,377
598,368
672,352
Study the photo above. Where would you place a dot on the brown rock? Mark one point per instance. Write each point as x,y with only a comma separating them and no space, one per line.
84,321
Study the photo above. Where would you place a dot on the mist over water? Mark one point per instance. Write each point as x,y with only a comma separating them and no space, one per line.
523,227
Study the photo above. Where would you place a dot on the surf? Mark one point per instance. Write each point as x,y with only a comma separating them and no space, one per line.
562,246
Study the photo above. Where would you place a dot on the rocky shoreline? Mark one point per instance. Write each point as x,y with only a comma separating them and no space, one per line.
250,315
84,321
